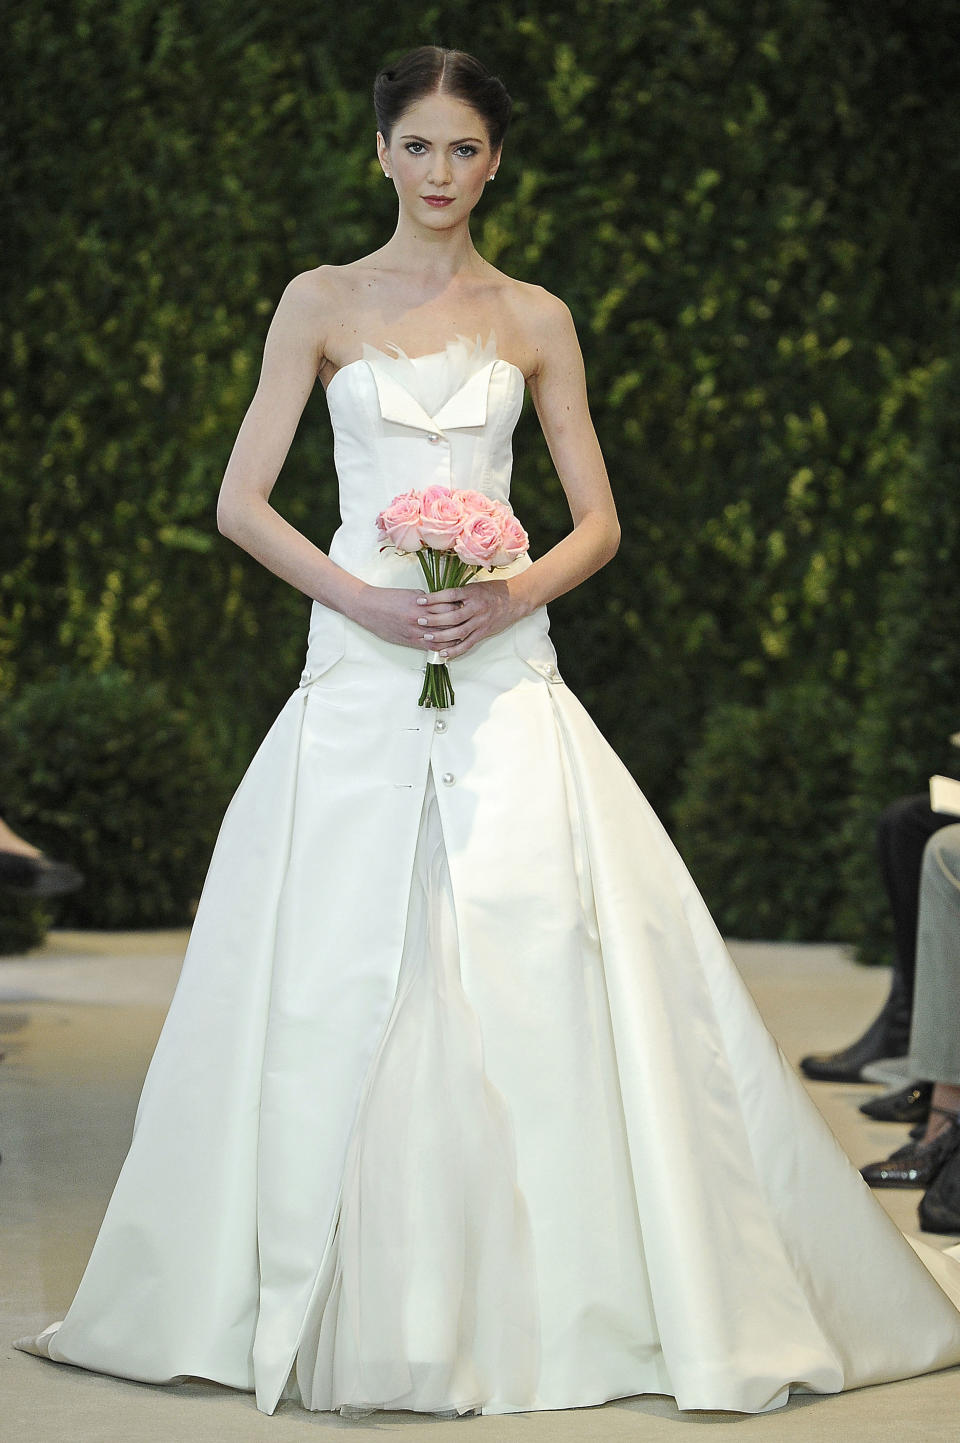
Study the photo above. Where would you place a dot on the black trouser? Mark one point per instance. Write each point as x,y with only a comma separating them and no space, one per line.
903,831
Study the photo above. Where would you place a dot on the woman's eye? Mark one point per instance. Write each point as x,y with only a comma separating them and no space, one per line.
415,147
466,150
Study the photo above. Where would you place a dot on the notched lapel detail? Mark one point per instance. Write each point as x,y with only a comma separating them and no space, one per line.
396,381
397,403
468,406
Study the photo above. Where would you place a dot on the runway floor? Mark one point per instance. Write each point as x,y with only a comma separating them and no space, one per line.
78,1022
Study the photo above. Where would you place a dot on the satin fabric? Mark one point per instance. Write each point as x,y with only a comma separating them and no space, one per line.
461,1104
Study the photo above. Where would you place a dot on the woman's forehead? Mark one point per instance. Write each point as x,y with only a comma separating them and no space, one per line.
441,117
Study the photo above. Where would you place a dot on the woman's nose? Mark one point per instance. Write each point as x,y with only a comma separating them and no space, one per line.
439,171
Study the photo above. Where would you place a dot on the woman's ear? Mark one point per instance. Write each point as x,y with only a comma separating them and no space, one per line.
383,155
494,163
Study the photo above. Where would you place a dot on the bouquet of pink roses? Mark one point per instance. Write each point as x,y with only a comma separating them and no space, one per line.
453,535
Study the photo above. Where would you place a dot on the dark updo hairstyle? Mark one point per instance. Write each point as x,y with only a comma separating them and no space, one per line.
432,70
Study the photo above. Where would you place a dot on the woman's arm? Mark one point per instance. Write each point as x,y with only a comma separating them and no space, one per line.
291,360
460,617
559,391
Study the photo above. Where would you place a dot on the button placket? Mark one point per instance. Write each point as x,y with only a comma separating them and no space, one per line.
440,726
444,457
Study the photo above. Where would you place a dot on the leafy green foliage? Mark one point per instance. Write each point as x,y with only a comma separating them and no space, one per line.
23,923
101,770
911,681
751,211
778,774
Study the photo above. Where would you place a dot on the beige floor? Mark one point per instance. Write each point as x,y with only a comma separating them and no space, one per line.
78,1021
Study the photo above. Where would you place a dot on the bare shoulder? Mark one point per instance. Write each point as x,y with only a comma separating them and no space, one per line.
544,323
542,307
315,293
314,305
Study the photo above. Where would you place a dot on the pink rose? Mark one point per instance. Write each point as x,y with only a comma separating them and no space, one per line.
399,522
476,501
514,541
479,541
441,518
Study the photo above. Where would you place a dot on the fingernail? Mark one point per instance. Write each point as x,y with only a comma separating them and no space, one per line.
428,636
421,600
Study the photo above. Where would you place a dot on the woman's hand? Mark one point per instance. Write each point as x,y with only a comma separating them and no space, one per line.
390,612
450,621
453,621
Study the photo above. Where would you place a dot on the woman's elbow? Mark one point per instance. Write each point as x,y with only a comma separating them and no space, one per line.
605,539
224,517
230,509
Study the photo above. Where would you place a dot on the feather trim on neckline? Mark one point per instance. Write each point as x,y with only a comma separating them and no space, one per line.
433,378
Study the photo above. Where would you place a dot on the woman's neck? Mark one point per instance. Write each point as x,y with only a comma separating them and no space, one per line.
436,256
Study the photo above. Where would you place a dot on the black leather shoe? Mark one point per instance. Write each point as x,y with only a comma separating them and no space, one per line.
910,1104
939,1209
917,1163
887,1036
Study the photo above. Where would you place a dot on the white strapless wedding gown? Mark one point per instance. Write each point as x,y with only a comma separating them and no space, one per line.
461,1104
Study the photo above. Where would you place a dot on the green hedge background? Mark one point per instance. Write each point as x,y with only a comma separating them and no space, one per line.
752,211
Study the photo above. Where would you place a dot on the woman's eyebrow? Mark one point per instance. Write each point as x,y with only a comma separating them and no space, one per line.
471,139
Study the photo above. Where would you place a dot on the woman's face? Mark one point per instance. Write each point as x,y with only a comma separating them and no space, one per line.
439,159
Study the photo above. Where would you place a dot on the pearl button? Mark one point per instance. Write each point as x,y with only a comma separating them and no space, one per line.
448,779
441,724
433,438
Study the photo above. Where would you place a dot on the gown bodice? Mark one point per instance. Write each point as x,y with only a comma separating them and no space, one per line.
403,423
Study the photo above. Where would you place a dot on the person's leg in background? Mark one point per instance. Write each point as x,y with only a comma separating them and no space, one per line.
935,1032
902,834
